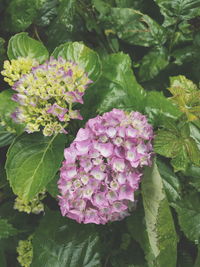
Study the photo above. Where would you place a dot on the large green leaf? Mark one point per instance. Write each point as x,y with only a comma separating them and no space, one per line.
6,229
46,13
152,63
32,161
6,137
134,27
21,45
188,210
158,108
7,107
52,187
193,173
20,14
186,96
137,4
66,12
116,88
158,218
82,55
175,142
178,10
61,242
137,228
170,181
184,55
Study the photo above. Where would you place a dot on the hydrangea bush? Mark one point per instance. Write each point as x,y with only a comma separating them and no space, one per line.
99,133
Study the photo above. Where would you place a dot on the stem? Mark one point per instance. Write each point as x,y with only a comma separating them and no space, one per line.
36,34
173,35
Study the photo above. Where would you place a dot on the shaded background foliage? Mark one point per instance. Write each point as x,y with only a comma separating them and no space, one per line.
141,44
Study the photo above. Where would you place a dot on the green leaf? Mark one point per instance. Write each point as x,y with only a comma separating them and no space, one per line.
172,145
175,142
137,228
195,132
82,55
134,27
7,107
20,14
52,187
137,4
186,96
6,229
61,242
193,176
66,13
158,108
158,218
176,10
152,63
116,88
184,55
188,210
46,13
21,45
170,181
6,137
32,162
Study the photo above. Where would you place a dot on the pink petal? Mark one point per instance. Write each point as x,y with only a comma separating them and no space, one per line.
82,135
106,149
126,192
91,216
118,164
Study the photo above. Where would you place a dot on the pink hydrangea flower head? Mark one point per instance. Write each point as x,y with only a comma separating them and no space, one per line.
103,167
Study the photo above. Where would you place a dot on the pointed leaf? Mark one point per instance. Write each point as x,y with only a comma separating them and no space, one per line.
82,55
134,27
170,181
6,137
152,63
158,108
116,88
6,229
61,242
21,45
158,218
177,10
32,162
188,210
137,228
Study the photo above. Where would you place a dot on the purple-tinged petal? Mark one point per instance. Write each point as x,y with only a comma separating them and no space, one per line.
118,164
98,174
70,155
111,132
82,135
82,147
106,149
126,192
91,216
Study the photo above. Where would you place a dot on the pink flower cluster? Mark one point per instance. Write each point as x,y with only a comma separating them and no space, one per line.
103,167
